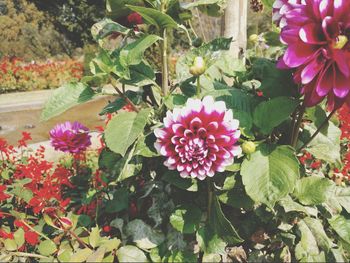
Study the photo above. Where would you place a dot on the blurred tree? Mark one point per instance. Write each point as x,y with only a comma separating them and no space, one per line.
73,18
25,31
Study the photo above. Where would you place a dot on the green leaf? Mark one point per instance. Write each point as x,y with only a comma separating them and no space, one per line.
132,54
210,242
65,97
140,75
182,256
221,225
145,148
318,115
307,249
175,100
144,236
94,238
107,27
289,205
81,255
120,201
154,17
341,226
174,178
10,244
19,237
97,256
326,145
110,244
270,174
270,114
131,254
124,128
312,190
274,82
117,8
186,218
342,196
319,233
47,247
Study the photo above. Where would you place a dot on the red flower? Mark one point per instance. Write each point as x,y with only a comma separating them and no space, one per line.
3,196
23,141
32,238
107,229
135,19
5,235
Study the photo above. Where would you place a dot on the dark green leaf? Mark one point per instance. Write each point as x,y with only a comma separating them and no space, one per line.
174,178
186,218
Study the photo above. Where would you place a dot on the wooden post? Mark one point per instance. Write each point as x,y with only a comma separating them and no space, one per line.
235,25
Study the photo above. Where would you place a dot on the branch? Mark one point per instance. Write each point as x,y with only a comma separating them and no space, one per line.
324,123
126,99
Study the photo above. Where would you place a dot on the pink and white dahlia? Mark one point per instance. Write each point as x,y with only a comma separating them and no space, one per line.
70,137
281,8
317,34
199,139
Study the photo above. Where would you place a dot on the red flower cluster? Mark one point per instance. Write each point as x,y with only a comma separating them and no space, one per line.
15,74
344,116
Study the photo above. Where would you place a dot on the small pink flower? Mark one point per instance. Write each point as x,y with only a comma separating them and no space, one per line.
199,139
70,137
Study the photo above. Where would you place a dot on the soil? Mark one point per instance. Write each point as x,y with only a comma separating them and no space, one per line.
13,123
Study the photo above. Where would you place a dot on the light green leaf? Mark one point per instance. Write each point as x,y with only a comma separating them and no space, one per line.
270,114
312,190
270,174
94,238
65,97
81,255
47,247
186,218
341,226
124,128
132,53
97,256
10,244
209,242
107,27
154,17
307,249
110,244
326,145
290,205
319,233
19,237
144,236
131,254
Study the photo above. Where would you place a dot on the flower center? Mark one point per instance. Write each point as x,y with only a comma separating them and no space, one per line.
340,42
196,150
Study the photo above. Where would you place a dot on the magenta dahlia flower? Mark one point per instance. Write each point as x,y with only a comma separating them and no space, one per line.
281,8
70,137
199,139
317,34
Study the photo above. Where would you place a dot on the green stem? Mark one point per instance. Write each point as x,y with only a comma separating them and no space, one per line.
210,197
31,228
198,90
296,129
324,123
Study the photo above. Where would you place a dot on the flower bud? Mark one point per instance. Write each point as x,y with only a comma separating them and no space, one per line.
198,67
66,223
253,38
248,147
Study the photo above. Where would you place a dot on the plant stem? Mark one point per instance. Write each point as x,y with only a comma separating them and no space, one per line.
126,99
296,128
198,90
324,123
78,239
210,197
31,228
165,80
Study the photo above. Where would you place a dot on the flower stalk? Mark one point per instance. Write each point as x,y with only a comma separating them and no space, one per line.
296,127
324,123
164,50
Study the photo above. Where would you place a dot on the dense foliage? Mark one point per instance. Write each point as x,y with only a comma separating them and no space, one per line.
170,183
